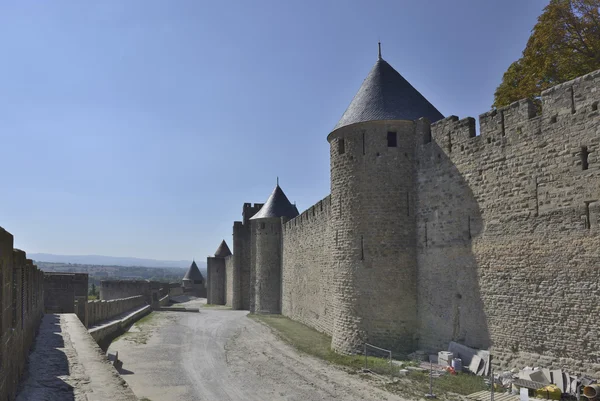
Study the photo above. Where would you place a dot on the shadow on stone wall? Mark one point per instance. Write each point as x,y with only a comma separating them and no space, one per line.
450,301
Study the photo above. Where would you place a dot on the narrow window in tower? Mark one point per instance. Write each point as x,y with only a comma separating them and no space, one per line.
341,146
363,142
14,298
584,157
362,248
262,226
588,223
392,140
469,226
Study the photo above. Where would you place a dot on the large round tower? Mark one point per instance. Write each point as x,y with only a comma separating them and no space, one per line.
266,245
372,216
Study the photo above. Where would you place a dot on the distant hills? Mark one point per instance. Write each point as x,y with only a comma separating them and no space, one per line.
112,260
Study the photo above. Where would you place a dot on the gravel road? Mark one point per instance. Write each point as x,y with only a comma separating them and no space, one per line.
220,354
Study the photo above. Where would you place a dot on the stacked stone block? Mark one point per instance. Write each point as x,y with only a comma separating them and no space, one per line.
22,307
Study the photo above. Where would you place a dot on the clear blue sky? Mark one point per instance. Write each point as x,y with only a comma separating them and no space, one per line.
139,127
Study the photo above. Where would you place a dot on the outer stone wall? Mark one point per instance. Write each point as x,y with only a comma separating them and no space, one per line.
21,310
99,311
307,274
267,290
509,231
117,289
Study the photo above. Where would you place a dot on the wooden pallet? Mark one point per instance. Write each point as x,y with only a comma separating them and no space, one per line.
487,395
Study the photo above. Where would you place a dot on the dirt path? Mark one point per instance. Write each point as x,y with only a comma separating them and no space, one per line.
220,354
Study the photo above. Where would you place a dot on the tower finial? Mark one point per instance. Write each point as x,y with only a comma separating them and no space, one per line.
379,43
277,180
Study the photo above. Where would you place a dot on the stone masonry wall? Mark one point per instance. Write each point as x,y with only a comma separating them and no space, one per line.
21,310
267,265
99,311
373,224
215,270
117,289
62,289
509,230
229,280
307,274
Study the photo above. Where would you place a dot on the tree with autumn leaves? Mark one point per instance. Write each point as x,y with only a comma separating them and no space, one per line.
564,44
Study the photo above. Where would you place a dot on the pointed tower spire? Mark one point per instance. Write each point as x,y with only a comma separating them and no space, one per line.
223,250
278,205
386,95
379,44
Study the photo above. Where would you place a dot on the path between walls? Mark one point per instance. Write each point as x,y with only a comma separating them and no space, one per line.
220,354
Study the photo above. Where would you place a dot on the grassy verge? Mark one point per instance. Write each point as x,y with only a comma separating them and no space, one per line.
415,385
318,344
140,331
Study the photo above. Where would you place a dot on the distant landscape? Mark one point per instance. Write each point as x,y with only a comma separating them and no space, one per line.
115,268
108,260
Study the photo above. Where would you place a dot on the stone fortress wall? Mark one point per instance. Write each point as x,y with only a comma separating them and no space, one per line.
307,279
507,235
509,229
489,240
21,310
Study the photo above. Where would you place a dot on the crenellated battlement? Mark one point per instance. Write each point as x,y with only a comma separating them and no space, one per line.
515,122
316,212
249,210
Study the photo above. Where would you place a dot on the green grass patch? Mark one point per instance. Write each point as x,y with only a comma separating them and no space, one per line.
92,297
318,344
415,385
461,383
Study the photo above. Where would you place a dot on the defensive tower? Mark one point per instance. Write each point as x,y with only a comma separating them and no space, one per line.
266,242
215,272
372,213
194,281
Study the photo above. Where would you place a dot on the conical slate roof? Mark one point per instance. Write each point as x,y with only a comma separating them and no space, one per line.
277,205
193,273
223,250
386,95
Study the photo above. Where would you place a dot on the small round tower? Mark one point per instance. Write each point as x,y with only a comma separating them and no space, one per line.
266,229
372,217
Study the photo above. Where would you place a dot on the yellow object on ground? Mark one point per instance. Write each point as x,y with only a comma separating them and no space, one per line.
550,392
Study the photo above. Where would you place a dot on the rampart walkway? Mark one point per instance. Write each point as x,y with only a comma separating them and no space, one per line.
66,364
